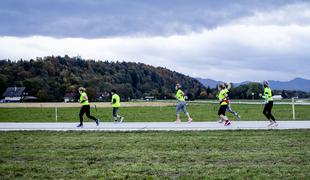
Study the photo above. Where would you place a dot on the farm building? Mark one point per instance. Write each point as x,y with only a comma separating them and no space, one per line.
14,94
277,97
69,97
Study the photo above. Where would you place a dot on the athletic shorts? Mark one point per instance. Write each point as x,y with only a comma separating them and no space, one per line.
222,110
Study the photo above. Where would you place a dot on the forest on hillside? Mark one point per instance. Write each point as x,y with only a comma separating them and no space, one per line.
50,78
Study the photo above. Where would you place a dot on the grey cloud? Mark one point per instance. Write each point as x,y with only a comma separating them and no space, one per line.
106,18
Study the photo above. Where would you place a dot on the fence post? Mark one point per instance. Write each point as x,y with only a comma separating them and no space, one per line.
56,115
293,108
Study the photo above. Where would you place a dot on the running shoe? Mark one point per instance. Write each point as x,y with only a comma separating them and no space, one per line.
190,120
178,121
97,122
227,123
121,120
80,125
271,123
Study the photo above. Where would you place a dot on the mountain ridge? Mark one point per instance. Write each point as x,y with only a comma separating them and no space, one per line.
298,84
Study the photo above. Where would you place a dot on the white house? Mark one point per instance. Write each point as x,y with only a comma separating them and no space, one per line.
69,97
277,97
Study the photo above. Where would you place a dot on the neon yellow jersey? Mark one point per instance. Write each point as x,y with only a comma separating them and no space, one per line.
226,91
222,96
179,95
117,101
268,94
84,98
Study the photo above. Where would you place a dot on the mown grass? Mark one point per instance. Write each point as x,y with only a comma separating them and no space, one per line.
199,112
273,154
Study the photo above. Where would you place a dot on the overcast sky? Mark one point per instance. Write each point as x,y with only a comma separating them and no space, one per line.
228,40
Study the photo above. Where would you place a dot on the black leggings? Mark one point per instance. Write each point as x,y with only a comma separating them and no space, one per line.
86,109
267,111
115,109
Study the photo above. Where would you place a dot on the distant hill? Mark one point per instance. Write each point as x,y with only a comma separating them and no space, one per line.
50,78
298,84
295,84
209,82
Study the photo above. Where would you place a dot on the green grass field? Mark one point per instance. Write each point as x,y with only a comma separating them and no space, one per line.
199,112
273,154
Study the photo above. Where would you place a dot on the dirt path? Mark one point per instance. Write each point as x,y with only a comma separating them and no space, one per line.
99,104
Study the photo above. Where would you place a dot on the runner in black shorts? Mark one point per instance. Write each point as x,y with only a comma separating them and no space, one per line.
223,105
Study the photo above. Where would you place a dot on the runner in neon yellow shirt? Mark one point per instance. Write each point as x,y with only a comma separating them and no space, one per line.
222,96
269,104
85,107
116,104
227,87
181,105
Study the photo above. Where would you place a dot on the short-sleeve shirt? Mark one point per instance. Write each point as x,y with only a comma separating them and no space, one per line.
83,97
117,101
222,97
179,95
268,94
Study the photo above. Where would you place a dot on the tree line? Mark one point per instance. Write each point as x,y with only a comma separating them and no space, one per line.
50,78
253,89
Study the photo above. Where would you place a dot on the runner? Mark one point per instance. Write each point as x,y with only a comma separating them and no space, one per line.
223,105
227,87
85,107
269,104
116,105
181,105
